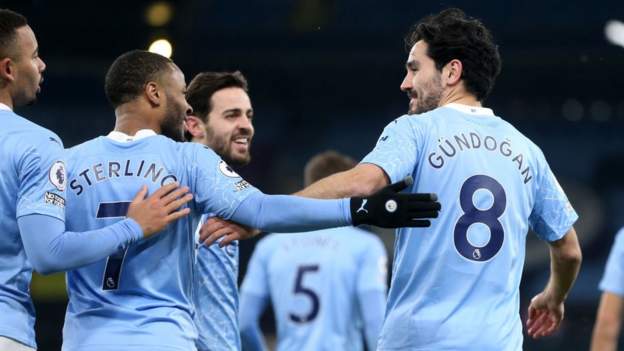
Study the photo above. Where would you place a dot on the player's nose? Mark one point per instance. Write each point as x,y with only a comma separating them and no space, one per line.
406,84
42,66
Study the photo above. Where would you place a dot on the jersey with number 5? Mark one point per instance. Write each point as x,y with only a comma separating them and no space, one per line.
141,297
316,281
455,284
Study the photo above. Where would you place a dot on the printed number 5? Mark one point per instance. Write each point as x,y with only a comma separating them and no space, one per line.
300,289
472,215
112,270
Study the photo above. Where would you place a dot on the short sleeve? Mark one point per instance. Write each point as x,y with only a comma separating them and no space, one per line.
42,177
217,189
552,215
373,267
613,278
396,151
256,280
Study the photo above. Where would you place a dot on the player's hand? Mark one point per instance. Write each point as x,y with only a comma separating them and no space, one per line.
545,315
390,209
215,228
159,209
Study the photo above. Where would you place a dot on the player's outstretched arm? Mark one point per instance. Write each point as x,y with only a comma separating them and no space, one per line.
50,248
546,310
362,180
250,310
286,214
608,323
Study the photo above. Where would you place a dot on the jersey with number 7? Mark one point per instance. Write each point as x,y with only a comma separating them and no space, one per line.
455,284
141,297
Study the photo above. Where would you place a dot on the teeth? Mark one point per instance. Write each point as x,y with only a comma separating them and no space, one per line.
241,141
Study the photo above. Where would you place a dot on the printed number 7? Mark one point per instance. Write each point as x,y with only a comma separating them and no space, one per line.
112,270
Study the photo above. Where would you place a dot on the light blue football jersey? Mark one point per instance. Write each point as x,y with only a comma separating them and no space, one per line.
313,280
455,284
33,182
216,296
141,298
613,278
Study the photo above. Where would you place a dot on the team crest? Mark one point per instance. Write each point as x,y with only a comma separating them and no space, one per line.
58,176
227,170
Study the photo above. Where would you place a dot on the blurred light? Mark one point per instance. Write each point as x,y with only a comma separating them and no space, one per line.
600,111
572,110
158,14
614,31
162,47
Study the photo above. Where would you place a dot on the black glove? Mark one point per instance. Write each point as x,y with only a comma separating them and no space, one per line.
389,209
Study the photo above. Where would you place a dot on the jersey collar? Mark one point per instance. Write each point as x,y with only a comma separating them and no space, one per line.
5,107
124,138
472,110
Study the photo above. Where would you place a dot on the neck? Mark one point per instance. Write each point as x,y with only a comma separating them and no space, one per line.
202,140
6,98
460,97
130,119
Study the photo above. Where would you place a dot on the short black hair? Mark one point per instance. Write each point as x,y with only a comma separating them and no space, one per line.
10,21
325,164
450,35
205,84
127,76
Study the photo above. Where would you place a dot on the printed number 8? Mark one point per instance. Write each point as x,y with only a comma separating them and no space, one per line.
474,215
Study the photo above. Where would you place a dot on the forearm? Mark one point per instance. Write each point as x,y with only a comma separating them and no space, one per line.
605,336
566,257
251,308
362,180
51,249
284,214
608,323
372,307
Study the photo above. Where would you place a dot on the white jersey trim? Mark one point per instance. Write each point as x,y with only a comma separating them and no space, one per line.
473,110
124,138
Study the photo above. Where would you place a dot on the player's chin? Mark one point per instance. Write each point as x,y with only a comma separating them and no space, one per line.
240,159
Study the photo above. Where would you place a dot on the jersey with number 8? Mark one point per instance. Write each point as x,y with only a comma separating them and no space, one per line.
455,284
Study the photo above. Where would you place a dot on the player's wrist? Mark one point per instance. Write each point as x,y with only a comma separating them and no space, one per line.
136,231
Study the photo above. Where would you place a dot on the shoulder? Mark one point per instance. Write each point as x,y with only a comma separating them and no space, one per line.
359,240
81,148
267,244
372,241
619,240
28,132
193,150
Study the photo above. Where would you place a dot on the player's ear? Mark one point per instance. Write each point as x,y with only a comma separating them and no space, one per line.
7,70
153,93
452,72
195,126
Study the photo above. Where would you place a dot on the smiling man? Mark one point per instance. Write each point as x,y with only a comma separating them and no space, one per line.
455,285
222,120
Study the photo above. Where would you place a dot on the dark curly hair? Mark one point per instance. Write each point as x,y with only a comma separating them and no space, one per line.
127,76
450,35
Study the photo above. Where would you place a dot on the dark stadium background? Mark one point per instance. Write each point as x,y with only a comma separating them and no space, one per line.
326,73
